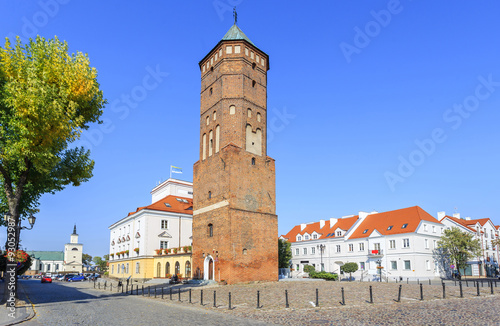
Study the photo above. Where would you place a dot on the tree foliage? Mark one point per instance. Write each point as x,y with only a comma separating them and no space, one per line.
349,268
47,98
323,275
459,246
309,269
86,259
284,253
101,263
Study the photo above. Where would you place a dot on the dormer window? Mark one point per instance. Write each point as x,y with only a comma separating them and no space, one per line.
299,238
389,228
306,237
365,231
315,236
404,226
339,233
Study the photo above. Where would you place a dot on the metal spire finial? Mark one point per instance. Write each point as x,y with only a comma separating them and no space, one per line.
235,15
74,229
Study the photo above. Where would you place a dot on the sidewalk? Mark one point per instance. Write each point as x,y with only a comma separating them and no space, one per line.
23,309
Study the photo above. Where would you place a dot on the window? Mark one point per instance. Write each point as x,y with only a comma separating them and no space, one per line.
426,241
305,251
376,246
406,243
163,244
177,268
433,229
339,233
211,91
249,113
389,228
229,49
485,235
361,246
315,236
244,251
164,224
112,269
158,270
208,121
210,230
394,265
407,265
232,109
297,251
167,268
428,265
253,83
435,244
338,248
306,237
404,226
392,244
126,269
362,265
258,117
313,250
425,227
299,238
188,269
351,247
253,65
209,195
366,230
137,268
253,160
298,267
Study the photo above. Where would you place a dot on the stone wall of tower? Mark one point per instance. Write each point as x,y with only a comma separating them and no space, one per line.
234,180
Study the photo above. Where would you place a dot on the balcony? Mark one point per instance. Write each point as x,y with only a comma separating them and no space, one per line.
375,253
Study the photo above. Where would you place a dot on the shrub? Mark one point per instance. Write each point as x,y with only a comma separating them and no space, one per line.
324,275
309,269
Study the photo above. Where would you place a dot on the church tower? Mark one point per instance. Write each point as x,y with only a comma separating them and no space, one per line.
73,254
235,226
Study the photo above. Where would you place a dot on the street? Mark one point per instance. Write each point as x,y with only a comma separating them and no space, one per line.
63,303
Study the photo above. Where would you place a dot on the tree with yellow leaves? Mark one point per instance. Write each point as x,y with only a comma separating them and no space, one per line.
47,98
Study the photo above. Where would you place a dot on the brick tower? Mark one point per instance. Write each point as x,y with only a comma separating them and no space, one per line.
235,226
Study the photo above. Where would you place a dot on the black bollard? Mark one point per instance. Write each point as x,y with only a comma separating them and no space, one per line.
149,291
201,298
482,285
399,293
155,292
142,291
286,299
343,298
215,299
258,299
421,291
170,293
491,286
371,294
444,291
461,292
477,287
418,281
179,294
229,300
317,298
406,280
429,281
162,292
189,295
126,289
105,283
466,283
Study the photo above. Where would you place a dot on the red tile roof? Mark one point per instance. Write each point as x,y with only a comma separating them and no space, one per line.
481,221
412,216
176,206
461,222
342,223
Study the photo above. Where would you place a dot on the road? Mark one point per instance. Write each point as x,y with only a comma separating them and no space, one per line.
63,303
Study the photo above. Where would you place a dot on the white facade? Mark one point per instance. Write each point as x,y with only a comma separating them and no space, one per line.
73,252
157,226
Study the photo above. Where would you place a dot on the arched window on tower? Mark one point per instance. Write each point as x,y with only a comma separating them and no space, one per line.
204,146
253,160
217,138
232,109
188,269
258,117
210,142
210,230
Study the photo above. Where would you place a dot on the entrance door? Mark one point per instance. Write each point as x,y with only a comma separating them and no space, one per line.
211,269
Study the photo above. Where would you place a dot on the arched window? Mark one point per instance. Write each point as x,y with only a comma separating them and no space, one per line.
167,268
210,230
188,269
253,160
209,195
137,268
211,90
253,83
258,117
177,268
210,142
208,120
232,109
211,69
244,251
112,269
158,270
204,146
253,65
126,270
75,249
217,138
215,115
249,112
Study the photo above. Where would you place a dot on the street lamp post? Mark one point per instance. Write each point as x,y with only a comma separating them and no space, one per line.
379,263
321,247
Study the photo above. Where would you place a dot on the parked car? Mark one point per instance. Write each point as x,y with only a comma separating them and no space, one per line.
68,276
46,279
77,278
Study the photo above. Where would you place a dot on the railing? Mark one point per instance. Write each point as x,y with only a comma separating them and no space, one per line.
376,253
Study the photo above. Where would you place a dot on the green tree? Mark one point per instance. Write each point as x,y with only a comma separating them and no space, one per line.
284,253
86,259
309,269
459,246
101,263
47,98
349,268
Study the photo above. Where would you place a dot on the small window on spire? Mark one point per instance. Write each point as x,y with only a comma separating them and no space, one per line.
253,83
253,160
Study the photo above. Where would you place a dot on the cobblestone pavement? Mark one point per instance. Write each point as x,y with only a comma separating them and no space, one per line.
432,310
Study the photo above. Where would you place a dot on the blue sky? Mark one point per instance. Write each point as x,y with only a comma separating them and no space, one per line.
375,105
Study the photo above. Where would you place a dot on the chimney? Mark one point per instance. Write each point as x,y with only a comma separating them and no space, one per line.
467,218
457,215
333,221
363,215
302,226
441,215
321,223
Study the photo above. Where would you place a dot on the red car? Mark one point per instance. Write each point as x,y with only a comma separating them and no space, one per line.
46,279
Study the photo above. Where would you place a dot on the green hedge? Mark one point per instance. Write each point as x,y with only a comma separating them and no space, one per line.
324,275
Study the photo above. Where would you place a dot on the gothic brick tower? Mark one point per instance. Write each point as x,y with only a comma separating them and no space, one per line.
235,227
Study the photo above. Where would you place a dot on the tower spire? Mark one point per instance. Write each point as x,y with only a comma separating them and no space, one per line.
74,229
235,15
